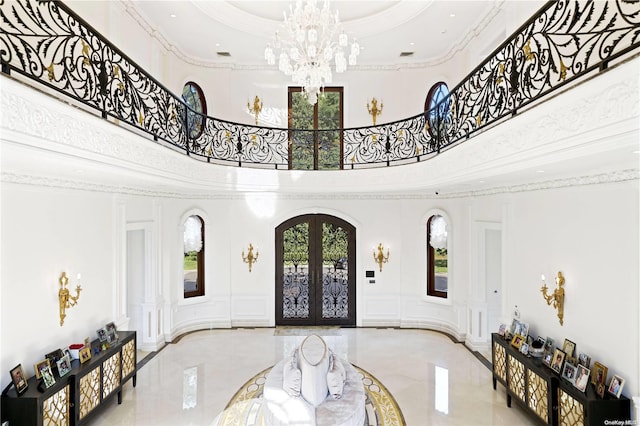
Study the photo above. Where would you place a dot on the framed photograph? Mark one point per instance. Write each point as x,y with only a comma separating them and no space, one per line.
599,373
517,341
616,385
112,337
569,373
66,352
600,390
546,358
584,359
516,327
40,366
18,379
502,329
558,358
85,354
54,356
111,328
582,378
64,365
47,376
524,328
541,340
548,344
102,334
524,348
571,360
568,347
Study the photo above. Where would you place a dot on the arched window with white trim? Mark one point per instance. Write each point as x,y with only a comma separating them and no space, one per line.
437,257
193,256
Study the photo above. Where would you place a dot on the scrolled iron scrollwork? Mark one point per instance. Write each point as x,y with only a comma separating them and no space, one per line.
47,43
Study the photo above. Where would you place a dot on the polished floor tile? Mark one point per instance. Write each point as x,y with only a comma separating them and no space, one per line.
434,380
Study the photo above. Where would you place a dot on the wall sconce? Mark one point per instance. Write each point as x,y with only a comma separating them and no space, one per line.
65,298
374,111
250,258
557,297
256,109
380,258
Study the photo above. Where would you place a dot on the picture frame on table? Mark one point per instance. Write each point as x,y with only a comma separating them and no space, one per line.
598,373
47,376
102,334
64,365
524,329
111,327
569,347
558,358
85,354
66,352
546,358
548,344
600,387
516,327
502,329
584,359
19,380
569,373
517,341
39,366
524,349
582,378
616,385
53,357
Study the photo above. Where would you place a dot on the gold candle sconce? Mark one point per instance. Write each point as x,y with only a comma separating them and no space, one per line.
374,111
250,258
256,109
380,258
65,298
557,297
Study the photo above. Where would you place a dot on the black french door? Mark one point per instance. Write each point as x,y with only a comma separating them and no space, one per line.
315,264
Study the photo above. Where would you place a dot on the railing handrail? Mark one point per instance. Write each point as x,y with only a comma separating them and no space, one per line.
51,42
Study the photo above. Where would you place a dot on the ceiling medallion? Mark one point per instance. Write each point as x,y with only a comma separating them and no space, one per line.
312,38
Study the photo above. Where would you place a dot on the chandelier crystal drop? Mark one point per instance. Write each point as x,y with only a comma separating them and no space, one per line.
311,39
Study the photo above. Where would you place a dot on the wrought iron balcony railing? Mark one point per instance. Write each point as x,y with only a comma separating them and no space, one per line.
564,41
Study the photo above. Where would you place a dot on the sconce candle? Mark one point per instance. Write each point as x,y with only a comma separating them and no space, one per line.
557,297
250,258
66,300
380,258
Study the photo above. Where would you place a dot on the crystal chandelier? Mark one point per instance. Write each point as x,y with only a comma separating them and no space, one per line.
308,46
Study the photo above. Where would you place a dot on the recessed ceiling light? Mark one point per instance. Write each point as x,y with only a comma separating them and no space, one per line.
217,44
412,43
453,15
443,32
173,15
636,152
539,171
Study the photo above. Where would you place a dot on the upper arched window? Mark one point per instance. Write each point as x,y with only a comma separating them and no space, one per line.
193,256
437,107
437,256
193,96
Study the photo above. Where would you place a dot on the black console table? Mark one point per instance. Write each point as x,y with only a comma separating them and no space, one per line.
546,396
74,398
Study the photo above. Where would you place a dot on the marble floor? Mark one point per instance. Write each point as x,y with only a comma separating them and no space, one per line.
434,380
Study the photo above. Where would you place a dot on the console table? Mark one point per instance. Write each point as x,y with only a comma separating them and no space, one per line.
546,396
74,398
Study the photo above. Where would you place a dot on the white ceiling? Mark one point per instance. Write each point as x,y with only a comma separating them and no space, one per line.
432,29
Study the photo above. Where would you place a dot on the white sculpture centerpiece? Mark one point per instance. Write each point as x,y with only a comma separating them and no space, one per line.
313,387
